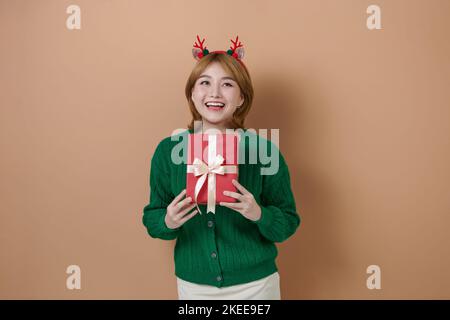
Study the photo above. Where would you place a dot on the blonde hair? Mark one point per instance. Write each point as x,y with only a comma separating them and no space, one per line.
240,74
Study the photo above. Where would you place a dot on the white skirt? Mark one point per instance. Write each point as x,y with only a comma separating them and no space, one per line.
267,288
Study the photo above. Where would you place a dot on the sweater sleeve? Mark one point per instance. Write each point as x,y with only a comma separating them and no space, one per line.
160,198
279,218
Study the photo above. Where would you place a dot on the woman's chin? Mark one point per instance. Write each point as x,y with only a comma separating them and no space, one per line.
212,116
218,121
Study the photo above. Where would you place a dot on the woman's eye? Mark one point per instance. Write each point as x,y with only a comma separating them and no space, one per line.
207,82
227,84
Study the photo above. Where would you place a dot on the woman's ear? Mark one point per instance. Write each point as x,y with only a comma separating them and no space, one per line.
241,101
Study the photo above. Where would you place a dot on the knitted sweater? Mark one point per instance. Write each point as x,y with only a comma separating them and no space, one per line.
224,248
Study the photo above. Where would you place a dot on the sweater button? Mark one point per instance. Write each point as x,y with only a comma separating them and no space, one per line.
210,224
219,278
213,255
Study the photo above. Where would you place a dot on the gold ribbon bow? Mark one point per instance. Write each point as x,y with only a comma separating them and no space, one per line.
214,166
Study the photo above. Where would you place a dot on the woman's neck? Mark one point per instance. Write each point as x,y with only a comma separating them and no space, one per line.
211,128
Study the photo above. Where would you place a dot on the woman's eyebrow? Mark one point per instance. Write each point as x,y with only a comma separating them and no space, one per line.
223,78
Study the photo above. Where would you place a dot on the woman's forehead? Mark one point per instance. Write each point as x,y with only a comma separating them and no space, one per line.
205,75
217,68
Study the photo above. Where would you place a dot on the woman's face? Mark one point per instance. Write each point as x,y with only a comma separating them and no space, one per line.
215,85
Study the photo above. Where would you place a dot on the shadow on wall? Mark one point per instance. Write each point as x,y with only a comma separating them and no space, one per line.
309,257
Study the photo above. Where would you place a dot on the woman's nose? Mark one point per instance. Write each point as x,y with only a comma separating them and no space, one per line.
214,91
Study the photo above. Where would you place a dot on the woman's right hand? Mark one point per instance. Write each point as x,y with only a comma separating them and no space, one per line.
177,211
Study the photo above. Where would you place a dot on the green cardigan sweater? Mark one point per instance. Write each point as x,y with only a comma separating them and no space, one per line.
224,248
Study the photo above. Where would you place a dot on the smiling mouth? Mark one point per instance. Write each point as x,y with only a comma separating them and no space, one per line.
215,106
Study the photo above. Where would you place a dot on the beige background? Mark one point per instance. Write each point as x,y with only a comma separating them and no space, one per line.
363,116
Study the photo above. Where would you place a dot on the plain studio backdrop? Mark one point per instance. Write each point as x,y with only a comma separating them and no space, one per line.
364,126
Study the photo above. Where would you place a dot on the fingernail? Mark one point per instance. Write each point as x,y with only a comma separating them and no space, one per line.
189,199
225,192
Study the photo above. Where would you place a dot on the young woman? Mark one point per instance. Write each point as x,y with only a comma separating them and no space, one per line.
230,254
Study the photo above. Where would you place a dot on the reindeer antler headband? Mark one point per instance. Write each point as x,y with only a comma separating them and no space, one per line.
236,50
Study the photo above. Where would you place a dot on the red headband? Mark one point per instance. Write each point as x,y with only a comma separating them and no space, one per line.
236,50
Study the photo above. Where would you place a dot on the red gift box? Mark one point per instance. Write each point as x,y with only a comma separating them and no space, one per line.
212,164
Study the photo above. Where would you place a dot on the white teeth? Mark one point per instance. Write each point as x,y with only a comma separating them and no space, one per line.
214,104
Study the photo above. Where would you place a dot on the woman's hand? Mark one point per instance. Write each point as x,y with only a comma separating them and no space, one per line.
177,211
247,205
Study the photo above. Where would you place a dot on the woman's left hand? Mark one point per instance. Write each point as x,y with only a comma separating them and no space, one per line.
246,206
